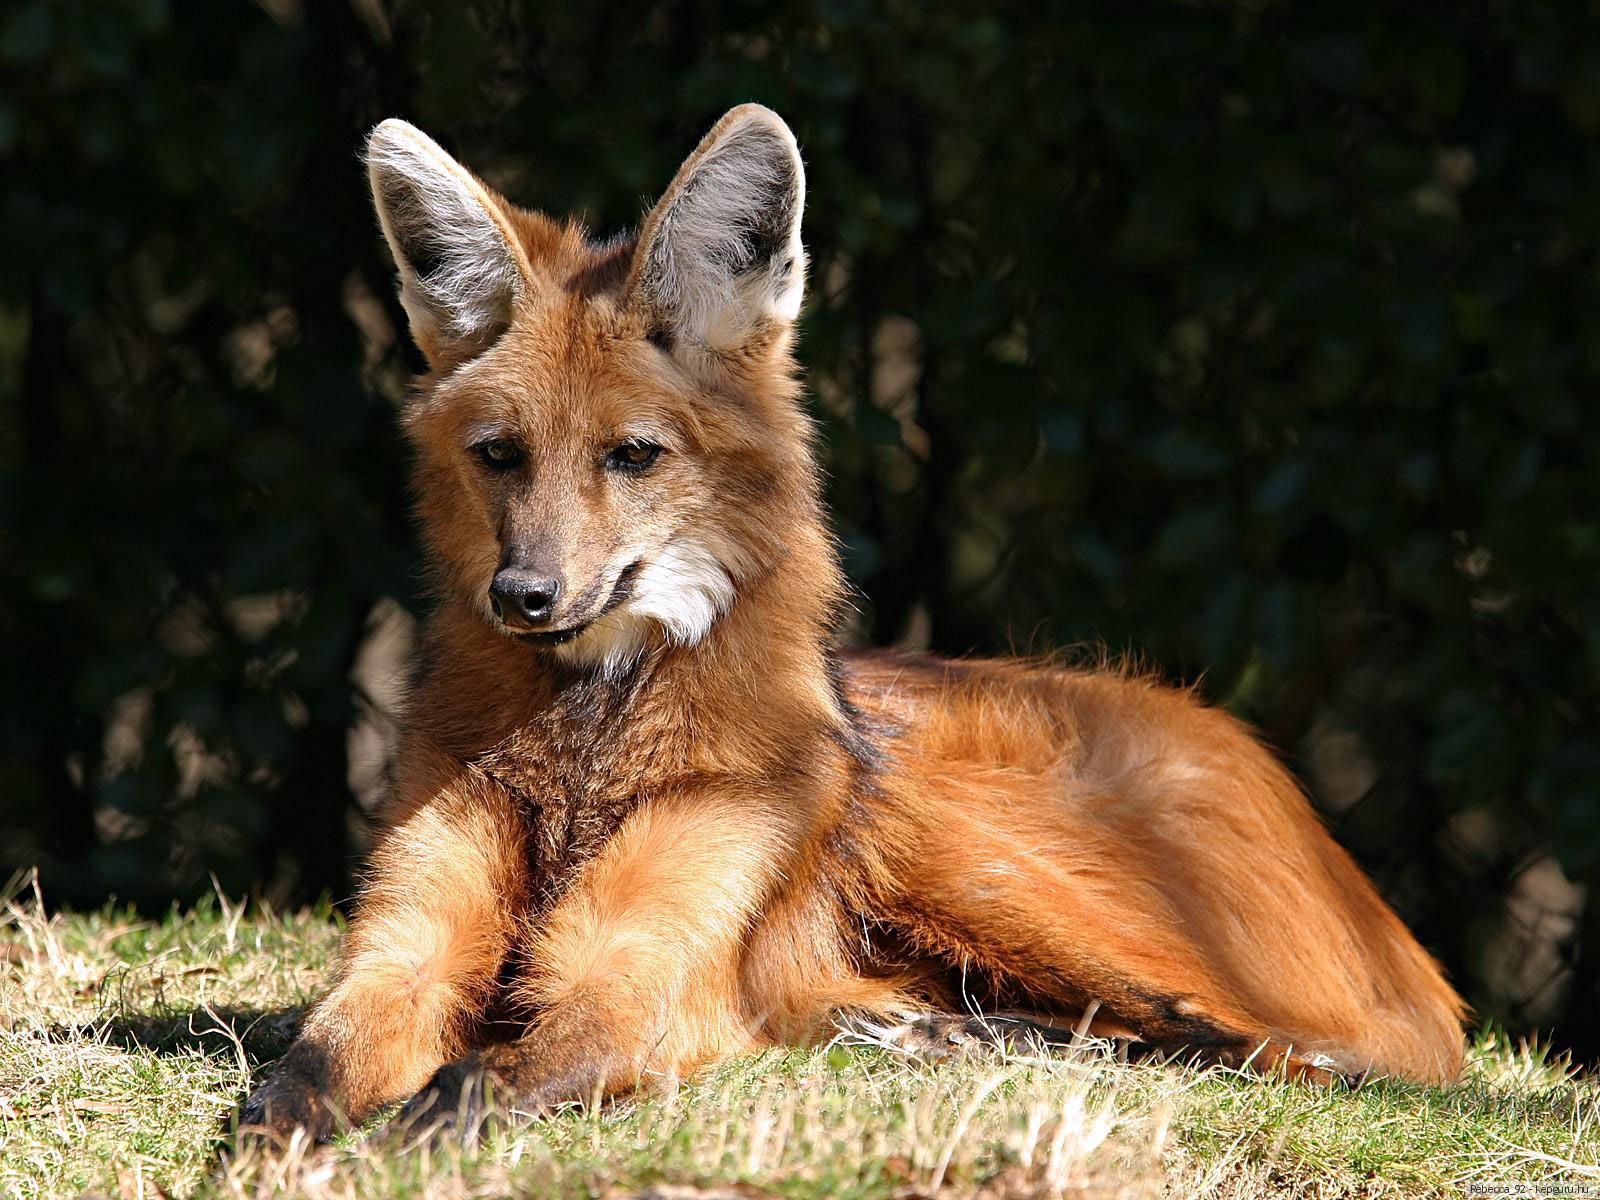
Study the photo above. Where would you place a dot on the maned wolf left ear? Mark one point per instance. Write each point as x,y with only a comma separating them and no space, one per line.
461,266
720,260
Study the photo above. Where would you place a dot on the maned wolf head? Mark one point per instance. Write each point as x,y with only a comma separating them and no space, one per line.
609,441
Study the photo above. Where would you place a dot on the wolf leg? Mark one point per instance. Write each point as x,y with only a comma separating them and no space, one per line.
1073,928
422,956
636,970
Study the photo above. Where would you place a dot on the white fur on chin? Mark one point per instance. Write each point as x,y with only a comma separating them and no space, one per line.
677,596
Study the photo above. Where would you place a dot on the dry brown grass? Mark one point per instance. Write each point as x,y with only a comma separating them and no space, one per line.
125,1043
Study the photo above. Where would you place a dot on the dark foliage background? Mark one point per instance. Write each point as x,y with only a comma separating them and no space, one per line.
1261,338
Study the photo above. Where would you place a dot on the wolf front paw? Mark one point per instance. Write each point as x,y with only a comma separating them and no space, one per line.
513,1080
453,1105
279,1108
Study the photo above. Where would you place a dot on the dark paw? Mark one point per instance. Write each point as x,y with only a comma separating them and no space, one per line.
452,1106
277,1109
936,1037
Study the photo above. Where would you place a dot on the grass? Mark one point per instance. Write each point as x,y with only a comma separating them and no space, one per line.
124,1044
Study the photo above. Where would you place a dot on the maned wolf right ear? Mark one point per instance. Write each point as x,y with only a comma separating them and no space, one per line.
462,268
719,262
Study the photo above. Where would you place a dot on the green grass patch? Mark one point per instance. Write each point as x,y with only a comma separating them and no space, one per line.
125,1043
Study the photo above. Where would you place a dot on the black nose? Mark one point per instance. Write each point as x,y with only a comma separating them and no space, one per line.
521,597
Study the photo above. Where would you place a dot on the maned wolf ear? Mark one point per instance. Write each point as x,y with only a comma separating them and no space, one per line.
720,259
461,267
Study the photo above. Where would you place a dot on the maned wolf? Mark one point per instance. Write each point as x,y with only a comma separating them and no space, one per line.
646,815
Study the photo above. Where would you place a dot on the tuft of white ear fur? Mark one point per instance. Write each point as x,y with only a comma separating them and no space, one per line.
720,257
460,267
679,594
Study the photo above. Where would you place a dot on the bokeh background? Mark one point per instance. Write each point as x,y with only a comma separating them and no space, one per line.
1261,339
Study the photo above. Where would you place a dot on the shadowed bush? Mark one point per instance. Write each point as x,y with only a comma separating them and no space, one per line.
1259,339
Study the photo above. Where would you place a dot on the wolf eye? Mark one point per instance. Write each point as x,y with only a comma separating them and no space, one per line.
500,454
633,455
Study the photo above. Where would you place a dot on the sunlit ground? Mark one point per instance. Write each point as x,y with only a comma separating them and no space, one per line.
125,1044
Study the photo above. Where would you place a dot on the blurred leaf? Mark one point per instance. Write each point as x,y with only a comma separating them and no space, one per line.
1194,537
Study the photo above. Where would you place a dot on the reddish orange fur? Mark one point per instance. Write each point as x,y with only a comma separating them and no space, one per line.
727,844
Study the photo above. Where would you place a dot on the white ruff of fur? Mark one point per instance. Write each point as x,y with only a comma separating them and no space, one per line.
678,596
427,201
